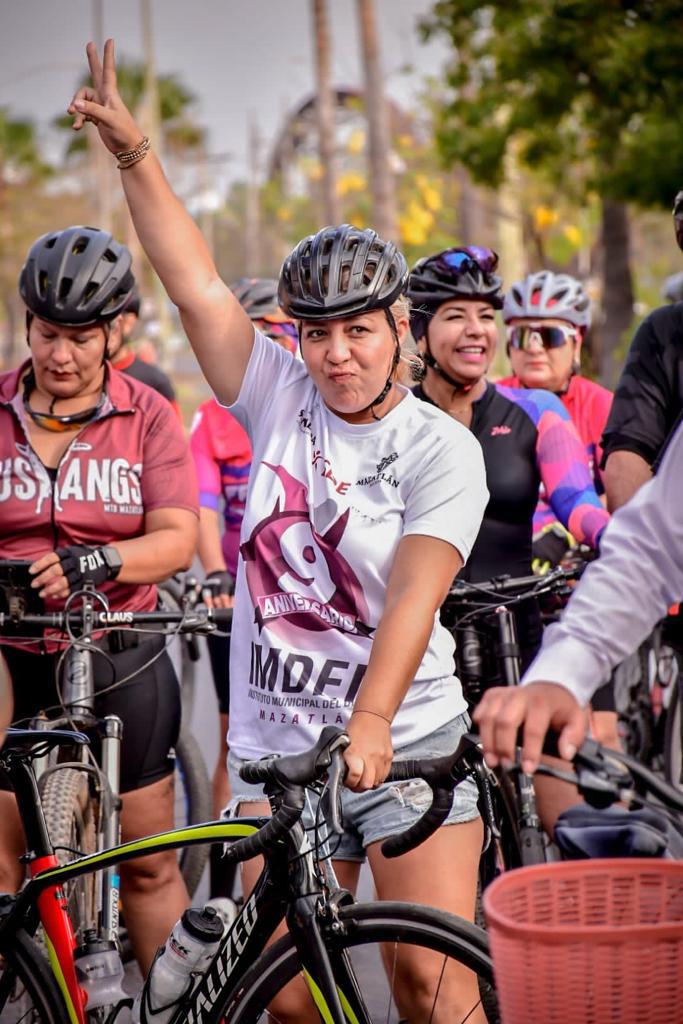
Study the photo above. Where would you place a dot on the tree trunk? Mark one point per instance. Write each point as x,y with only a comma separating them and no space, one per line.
325,114
617,290
379,141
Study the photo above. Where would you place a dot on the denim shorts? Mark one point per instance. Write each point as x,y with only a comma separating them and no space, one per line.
391,808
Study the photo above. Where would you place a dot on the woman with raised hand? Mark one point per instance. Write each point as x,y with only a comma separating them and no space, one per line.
363,504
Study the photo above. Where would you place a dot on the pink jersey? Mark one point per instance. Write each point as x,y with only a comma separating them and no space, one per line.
588,404
130,460
222,454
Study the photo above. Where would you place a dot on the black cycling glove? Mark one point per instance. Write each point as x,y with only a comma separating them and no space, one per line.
82,564
220,581
549,547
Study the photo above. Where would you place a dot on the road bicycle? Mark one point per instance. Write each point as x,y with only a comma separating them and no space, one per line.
333,943
79,791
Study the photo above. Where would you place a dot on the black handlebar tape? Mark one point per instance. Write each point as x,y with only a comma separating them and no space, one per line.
430,821
401,771
276,829
257,771
221,616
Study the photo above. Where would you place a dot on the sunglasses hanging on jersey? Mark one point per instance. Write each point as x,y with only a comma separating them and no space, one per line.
50,420
466,258
521,336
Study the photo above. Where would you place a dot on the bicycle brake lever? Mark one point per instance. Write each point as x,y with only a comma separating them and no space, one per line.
335,777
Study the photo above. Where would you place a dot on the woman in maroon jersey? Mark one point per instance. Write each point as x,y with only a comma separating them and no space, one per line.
97,486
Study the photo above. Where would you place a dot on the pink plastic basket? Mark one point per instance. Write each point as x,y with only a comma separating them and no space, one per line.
589,942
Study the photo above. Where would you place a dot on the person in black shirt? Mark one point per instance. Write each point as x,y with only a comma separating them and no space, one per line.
648,401
126,360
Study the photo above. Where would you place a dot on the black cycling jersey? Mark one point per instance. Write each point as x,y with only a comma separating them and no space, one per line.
508,437
150,375
648,400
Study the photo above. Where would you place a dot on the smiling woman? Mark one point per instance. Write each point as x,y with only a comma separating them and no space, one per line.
527,436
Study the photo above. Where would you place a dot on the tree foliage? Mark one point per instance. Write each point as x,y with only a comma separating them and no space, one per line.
590,94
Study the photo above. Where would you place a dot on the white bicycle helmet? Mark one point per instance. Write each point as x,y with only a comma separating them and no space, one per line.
544,294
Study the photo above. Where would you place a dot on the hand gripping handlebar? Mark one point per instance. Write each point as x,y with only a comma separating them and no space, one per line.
288,777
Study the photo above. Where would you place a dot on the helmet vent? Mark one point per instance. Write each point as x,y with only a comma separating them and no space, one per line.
80,245
51,242
42,282
109,256
65,288
90,291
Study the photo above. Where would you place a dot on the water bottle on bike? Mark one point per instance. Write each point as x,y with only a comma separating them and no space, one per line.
100,974
189,949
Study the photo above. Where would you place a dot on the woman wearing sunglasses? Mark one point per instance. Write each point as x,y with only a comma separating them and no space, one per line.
547,317
527,436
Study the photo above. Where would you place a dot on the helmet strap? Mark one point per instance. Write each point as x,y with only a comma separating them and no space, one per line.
394,363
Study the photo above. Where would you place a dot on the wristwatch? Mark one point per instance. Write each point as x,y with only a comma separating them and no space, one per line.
113,561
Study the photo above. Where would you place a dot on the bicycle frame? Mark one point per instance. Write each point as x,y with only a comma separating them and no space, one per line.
78,693
289,886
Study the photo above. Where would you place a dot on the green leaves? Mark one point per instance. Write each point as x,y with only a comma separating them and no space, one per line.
572,82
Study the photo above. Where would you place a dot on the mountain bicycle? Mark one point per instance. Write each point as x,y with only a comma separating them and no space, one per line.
335,944
79,791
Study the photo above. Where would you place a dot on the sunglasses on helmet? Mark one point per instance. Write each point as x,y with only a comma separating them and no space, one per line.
521,336
467,257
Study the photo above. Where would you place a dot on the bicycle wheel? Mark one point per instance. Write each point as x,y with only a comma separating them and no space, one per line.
192,803
71,815
373,934
28,991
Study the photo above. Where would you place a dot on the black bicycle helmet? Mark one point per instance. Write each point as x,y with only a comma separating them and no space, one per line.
258,297
77,277
134,301
465,272
341,271
678,219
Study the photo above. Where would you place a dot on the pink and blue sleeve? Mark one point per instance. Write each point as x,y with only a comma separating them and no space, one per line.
563,467
208,469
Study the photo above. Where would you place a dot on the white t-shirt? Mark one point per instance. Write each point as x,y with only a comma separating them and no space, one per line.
328,503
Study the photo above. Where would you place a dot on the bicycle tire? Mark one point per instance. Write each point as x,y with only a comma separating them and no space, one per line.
70,814
192,804
28,990
673,742
363,923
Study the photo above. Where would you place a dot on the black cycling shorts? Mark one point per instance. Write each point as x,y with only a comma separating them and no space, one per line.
148,705
219,654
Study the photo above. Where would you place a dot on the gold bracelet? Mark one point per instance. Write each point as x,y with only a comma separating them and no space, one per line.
366,711
128,157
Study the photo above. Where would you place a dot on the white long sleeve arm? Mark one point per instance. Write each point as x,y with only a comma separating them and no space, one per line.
638,576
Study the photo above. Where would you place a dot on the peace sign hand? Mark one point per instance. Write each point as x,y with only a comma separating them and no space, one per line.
101,103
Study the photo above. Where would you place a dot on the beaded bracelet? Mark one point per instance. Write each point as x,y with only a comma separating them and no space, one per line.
128,157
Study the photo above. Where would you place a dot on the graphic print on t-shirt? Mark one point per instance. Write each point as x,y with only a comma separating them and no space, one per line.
294,572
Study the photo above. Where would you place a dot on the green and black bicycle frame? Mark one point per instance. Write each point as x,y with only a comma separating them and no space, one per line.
289,886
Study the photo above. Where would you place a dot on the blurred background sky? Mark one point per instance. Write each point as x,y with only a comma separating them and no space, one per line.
242,58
